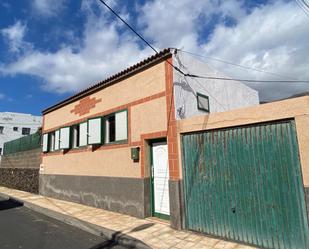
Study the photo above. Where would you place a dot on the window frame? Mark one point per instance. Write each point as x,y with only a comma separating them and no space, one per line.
50,141
72,136
47,144
123,141
22,131
102,130
69,146
197,102
82,146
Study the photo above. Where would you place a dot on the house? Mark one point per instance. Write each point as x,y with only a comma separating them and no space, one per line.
15,125
114,145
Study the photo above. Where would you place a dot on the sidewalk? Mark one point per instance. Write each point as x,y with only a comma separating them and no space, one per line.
152,232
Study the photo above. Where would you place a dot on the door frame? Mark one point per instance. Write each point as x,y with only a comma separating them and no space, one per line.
152,194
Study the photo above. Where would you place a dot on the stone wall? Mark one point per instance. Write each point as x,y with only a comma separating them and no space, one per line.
21,170
25,179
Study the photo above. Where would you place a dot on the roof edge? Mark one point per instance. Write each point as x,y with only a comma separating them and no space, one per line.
113,79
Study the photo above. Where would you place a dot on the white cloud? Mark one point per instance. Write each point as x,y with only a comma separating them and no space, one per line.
103,51
47,7
14,36
273,37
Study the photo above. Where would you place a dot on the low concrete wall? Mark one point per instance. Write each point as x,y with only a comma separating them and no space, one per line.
23,159
26,179
124,195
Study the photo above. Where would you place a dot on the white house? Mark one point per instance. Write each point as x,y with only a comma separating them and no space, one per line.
15,125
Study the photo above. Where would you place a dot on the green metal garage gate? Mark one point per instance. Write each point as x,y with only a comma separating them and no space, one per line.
245,184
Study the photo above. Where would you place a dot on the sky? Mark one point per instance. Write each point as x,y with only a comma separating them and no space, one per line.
50,50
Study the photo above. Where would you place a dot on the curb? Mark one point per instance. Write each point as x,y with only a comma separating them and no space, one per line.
116,236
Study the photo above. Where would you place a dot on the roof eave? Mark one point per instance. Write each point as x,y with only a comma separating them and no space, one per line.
111,80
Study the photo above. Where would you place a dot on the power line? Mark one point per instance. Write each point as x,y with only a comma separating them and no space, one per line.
235,64
305,4
129,26
302,7
247,80
135,32
193,75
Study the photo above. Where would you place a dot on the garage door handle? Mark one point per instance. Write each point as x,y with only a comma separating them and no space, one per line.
233,209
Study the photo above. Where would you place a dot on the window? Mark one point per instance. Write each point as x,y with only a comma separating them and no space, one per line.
57,140
202,102
83,134
75,136
15,128
116,127
95,131
64,141
25,131
45,142
110,129
1,129
51,139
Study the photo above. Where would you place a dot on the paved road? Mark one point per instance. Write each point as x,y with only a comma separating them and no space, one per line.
22,228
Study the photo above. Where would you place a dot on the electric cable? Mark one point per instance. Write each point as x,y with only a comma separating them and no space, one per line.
200,76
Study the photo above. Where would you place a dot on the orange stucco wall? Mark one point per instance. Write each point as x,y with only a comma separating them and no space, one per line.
144,84
297,108
144,95
110,162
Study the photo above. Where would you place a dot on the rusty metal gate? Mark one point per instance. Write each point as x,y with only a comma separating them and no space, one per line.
245,184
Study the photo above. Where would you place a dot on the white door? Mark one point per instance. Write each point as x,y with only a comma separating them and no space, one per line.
160,178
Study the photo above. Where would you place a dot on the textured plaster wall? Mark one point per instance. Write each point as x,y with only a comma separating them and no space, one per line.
115,162
148,117
223,95
146,83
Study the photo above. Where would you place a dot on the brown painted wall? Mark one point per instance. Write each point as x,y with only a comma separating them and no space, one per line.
297,108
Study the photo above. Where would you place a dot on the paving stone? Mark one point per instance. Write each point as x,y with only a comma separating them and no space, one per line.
158,235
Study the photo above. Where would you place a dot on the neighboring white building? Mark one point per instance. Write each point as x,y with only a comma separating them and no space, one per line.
16,125
213,95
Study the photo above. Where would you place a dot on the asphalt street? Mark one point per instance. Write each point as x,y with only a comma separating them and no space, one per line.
22,228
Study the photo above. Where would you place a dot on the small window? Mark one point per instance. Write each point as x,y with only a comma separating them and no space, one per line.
15,128
1,129
64,136
57,140
116,127
25,131
202,102
51,141
75,136
110,129
45,142
94,131
83,134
